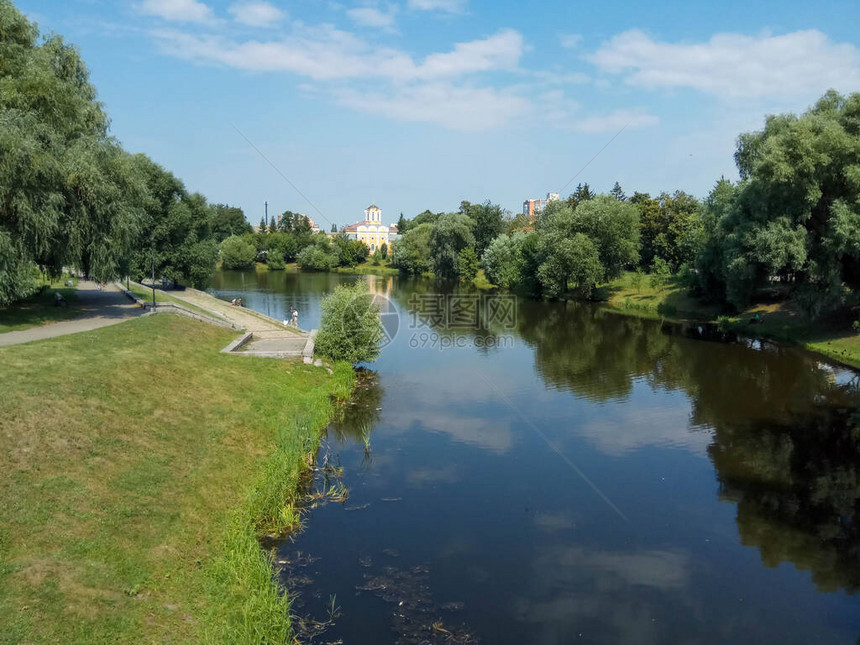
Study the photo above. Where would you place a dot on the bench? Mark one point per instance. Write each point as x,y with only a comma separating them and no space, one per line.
59,301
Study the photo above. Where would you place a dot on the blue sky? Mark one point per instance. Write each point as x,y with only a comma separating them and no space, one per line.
416,104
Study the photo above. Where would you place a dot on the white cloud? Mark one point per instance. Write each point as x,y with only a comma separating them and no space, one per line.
615,120
420,91
178,10
734,65
450,6
371,17
256,14
639,428
557,110
329,53
570,41
558,77
457,108
502,51
321,54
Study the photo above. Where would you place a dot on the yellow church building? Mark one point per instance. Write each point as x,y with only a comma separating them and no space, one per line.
372,231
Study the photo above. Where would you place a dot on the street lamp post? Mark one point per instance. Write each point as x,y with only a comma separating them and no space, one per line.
152,262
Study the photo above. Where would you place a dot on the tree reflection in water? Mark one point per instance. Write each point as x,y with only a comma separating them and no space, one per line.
786,435
361,412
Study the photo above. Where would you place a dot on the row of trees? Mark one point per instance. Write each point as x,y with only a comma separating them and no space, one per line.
570,247
792,223
448,244
291,239
70,196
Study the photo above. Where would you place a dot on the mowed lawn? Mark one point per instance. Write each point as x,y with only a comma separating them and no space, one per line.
133,461
40,308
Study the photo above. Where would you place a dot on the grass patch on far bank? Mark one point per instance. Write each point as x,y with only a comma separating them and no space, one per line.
634,293
40,308
138,466
832,336
368,268
481,281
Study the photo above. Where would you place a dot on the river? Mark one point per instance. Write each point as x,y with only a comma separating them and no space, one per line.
535,472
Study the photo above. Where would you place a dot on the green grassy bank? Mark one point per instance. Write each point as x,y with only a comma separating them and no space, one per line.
139,465
40,308
832,336
368,268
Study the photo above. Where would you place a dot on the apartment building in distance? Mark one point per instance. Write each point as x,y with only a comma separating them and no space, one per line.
533,206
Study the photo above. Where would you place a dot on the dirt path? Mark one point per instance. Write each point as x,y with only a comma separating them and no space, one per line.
98,309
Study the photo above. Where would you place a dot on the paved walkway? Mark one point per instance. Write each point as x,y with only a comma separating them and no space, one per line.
270,336
247,320
98,309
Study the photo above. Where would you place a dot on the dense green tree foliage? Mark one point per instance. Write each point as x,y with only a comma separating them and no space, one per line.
618,193
225,221
349,252
611,225
412,250
503,260
402,224
426,217
451,233
68,193
488,221
567,258
350,326
671,228
177,224
295,223
572,247
468,264
316,258
238,253
795,215
582,193
70,196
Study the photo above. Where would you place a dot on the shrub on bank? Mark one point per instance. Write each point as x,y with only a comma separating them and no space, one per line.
314,258
275,262
237,253
351,327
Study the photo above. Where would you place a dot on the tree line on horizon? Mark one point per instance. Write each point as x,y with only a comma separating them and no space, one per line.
290,238
791,222
71,196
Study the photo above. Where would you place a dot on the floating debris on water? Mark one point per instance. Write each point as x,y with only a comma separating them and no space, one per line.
365,561
391,553
356,508
416,618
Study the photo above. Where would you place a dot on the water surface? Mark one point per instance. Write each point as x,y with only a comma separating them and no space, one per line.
587,477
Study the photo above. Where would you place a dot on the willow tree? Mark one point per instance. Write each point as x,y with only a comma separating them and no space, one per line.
69,195
795,216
